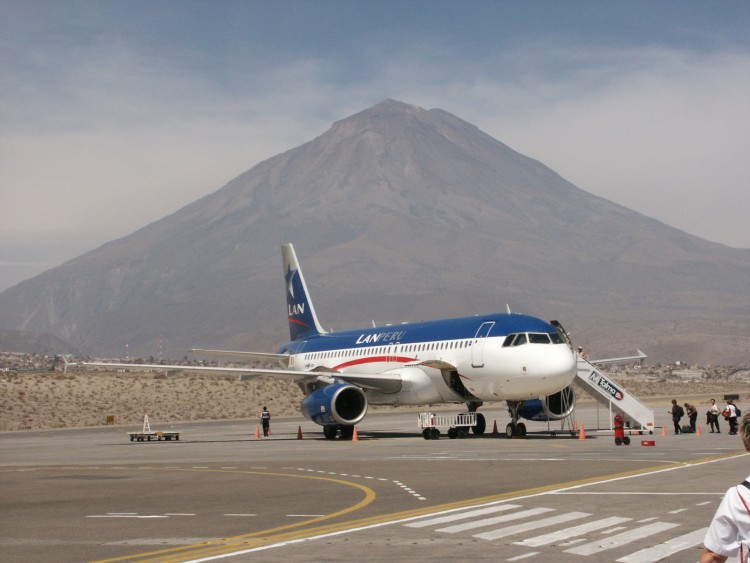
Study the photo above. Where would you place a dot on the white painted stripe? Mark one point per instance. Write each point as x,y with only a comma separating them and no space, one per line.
625,538
240,515
411,518
461,516
615,529
659,552
524,556
125,516
496,520
573,531
535,525
677,511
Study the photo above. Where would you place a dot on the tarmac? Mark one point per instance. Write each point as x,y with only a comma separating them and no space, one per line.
220,493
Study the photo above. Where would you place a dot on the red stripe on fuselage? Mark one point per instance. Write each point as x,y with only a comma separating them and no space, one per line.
374,360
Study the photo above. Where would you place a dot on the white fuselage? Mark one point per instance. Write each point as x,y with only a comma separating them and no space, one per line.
486,368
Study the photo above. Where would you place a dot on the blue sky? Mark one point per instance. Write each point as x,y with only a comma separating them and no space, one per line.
115,114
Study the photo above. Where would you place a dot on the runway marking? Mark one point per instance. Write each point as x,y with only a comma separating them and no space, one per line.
484,522
659,552
597,546
534,525
286,535
462,515
230,544
127,516
572,532
406,488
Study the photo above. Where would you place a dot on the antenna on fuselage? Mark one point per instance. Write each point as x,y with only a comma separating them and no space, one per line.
507,308
373,324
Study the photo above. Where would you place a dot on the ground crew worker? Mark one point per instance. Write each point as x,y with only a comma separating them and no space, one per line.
265,420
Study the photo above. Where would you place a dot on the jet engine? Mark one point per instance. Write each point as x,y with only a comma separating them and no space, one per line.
342,404
552,407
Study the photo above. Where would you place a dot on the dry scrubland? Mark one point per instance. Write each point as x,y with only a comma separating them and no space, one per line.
43,400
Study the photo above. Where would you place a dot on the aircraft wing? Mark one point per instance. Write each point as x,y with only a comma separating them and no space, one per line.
281,359
385,382
641,356
243,373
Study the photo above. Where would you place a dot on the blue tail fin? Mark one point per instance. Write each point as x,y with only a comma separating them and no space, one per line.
302,318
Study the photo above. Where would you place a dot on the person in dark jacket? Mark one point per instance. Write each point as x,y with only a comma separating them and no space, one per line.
677,413
265,420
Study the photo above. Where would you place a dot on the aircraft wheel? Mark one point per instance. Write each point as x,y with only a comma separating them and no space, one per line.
510,430
481,425
521,429
347,432
330,431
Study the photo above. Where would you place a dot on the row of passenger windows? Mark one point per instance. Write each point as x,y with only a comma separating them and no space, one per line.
397,349
521,338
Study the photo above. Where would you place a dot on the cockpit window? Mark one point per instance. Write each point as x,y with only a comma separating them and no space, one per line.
521,338
538,338
557,338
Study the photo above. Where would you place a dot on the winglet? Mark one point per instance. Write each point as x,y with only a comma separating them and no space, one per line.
302,318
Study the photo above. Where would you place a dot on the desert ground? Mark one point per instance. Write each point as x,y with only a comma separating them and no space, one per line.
34,400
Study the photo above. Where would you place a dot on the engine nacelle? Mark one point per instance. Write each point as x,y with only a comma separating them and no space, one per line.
335,404
552,407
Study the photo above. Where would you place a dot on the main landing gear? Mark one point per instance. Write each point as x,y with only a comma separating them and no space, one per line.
481,425
515,429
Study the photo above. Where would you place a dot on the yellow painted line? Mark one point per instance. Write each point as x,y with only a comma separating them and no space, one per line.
292,532
172,554
284,534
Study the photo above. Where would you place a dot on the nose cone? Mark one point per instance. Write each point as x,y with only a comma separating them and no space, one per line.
556,364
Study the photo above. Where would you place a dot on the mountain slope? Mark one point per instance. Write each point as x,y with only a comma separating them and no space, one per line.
397,214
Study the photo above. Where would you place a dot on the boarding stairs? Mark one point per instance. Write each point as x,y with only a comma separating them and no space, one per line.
613,395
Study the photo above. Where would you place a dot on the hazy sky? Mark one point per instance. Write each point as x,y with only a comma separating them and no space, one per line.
115,114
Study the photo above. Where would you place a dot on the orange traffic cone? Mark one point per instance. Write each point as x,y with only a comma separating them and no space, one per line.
582,433
257,432
663,430
299,433
355,435
494,428
698,431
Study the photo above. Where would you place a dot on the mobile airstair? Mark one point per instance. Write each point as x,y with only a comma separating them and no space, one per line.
609,393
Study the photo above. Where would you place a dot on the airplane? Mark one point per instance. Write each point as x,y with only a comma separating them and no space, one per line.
512,357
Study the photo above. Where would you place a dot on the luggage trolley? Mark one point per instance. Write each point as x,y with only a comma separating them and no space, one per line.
458,424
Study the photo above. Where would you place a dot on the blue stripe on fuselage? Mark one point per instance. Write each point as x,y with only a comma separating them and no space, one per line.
412,333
